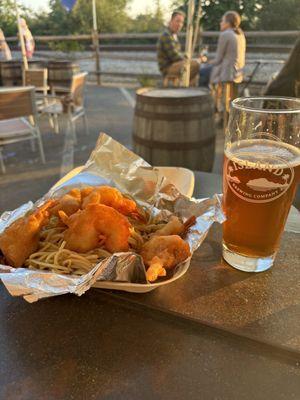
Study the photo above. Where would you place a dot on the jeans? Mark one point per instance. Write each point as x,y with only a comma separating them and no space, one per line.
205,71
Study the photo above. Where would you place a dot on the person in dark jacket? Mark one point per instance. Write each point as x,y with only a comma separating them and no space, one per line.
170,58
286,82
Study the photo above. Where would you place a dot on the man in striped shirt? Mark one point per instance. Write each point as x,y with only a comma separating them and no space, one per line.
170,59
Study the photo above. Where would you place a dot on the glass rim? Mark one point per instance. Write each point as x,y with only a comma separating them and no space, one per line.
294,110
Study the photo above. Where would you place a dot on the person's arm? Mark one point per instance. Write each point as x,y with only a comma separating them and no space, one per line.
221,49
170,50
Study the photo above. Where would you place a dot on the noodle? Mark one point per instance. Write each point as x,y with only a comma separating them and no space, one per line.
54,257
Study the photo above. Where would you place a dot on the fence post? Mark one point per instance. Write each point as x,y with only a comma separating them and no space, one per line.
188,44
97,55
95,39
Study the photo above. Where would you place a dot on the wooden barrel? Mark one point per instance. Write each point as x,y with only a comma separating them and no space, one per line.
11,71
175,127
60,72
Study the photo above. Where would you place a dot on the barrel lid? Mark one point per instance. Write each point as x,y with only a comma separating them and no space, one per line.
175,93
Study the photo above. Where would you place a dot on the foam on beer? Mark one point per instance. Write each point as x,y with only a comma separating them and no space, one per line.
267,152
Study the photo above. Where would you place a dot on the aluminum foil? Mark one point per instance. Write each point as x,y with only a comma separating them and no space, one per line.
112,164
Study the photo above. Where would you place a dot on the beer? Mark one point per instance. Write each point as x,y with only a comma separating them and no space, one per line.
260,179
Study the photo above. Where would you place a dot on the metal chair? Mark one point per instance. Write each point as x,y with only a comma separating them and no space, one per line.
71,104
18,118
39,79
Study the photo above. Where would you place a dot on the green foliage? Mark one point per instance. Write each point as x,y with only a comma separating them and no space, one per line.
280,14
111,16
146,81
212,11
65,46
148,22
59,20
256,14
8,22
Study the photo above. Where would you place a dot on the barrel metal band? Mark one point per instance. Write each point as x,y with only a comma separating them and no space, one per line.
154,144
169,117
172,101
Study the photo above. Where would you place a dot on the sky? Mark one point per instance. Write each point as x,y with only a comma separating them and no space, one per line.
137,6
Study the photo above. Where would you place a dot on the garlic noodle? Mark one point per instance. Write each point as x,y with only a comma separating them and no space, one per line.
52,255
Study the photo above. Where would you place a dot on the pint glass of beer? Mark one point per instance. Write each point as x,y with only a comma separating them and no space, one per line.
260,176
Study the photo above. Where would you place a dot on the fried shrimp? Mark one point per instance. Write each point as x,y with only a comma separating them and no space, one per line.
163,252
21,238
175,227
69,203
111,197
95,225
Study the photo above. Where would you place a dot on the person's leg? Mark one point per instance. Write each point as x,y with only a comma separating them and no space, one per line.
205,71
194,68
194,72
175,69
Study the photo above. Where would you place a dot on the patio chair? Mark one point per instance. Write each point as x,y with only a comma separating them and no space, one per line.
18,116
38,78
71,104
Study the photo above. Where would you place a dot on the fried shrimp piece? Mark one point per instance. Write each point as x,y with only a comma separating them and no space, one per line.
69,203
97,224
72,201
163,252
111,197
175,227
21,238
86,191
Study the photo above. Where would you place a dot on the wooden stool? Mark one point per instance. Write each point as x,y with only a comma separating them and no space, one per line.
174,79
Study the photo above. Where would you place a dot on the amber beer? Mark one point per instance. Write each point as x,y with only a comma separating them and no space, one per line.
259,183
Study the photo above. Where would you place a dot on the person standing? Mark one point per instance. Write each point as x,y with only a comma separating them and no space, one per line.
28,38
170,58
5,54
229,62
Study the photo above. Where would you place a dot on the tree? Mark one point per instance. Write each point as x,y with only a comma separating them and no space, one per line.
148,22
280,15
214,9
111,15
256,14
8,20
59,20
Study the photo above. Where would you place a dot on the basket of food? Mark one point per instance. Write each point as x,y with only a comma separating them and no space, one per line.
116,224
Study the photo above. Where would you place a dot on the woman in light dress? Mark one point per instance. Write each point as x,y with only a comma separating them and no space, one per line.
229,62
